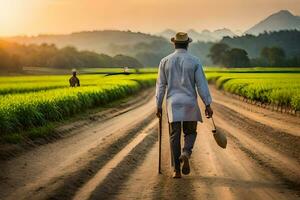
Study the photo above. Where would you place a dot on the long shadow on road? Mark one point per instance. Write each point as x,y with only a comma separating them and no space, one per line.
119,175
168,188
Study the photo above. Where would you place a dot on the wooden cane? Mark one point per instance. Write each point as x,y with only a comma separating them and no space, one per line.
214,130
159,144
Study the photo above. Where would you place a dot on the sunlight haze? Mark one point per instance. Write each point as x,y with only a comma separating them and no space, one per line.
32,17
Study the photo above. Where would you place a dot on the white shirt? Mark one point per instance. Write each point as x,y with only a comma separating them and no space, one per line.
180,75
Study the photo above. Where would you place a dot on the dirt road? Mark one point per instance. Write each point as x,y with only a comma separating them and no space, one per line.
115,157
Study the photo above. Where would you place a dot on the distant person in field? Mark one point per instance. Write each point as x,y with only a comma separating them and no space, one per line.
74,81
180,75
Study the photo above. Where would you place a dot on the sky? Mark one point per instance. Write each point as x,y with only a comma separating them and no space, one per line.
32,17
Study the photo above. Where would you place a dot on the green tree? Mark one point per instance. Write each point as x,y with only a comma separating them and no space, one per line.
14,56
217,53
236,58
149,59
275,56
8,62
4,60
127,61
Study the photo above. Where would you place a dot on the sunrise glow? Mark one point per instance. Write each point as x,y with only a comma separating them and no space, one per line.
65,16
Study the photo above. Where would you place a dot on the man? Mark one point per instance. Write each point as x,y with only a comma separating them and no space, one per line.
74,81
180,75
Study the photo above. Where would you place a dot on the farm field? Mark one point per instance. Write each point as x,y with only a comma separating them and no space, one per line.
44,70
112,153
149,100
280,87
32,101
46,98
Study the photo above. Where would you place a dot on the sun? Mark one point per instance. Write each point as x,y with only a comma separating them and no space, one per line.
10,11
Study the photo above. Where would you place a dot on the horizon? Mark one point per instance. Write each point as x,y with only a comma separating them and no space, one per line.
64,16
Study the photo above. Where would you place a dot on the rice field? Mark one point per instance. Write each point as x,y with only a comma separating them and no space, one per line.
33,101
280,87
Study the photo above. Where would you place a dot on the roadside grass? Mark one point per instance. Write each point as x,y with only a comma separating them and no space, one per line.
13,138
87,70
49,132
30,112
35,133
280,87
31,106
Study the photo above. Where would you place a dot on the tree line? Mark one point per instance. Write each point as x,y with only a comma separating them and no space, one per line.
244,50
223,54
268,49
288,40
13,57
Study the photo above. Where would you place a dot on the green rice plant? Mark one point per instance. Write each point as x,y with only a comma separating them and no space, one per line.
23,84
268,86
295,100
19,84
21,111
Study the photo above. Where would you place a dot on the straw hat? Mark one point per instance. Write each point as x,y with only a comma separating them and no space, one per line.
181,37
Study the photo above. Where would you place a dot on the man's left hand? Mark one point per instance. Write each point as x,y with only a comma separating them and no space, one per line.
159,112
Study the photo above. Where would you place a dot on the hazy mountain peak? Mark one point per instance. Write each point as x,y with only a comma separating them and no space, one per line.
205,35
192,31
282,20
206,31
168,30
284,12
220,33
167,33
222,29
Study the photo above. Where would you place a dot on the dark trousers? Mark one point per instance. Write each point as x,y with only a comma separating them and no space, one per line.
190,133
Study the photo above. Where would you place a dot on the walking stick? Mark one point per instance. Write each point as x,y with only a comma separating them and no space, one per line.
214,130
159,144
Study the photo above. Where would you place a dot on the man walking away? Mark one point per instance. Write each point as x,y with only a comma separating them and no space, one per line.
74,81
180,75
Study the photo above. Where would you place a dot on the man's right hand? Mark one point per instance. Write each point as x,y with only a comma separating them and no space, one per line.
208,111
159,112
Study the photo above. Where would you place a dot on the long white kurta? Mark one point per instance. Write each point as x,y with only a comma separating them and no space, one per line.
180,74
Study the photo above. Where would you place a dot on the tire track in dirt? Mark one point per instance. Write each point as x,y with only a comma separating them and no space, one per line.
73,182
234,173
272,149
215,174
57,170
262,149
285,181
118,175
10,151
234,176
255,165
279,140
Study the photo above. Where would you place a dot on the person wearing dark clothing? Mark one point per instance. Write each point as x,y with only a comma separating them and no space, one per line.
74,81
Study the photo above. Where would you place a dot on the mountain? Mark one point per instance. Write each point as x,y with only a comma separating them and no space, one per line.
282,20
220,33
99,41
194,34
288,40
203,36
168,33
